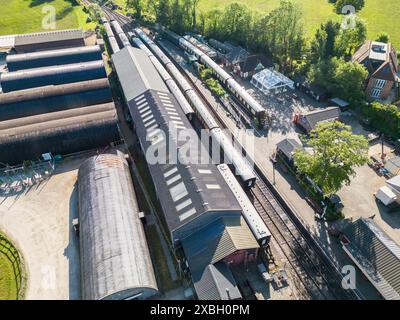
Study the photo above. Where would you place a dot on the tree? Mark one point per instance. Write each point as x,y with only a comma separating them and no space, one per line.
137,5
235,22
336,152
383,37
341,4
323,44
348,81
350,39
384,117
285,35
323,73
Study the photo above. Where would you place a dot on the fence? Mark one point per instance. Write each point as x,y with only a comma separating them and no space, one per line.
8,249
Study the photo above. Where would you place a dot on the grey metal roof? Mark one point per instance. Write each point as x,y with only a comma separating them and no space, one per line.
53,57
376,254
310,120
205,250
236,55
186,191
216,241
216,283
52,75
52,90
115,259
51,36
288,147
134,67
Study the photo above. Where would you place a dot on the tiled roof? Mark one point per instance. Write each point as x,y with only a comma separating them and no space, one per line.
376,254
310,120
381,64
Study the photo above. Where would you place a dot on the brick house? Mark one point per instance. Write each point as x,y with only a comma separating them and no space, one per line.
380,59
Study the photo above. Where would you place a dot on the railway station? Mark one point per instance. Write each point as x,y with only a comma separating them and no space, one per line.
111,192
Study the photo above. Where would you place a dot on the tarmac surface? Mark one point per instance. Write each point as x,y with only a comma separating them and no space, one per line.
39,219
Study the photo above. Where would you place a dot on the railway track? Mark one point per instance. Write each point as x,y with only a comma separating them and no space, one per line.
317,273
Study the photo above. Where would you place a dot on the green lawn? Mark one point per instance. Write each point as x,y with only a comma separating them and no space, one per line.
8,288
380,15
25,16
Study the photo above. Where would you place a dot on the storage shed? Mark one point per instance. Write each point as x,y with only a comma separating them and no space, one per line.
308,121
47,58
53,75
22,103
48,40
115,259
60,132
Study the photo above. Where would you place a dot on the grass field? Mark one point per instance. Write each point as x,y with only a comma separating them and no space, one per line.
380,15
8,284
25,16
8,288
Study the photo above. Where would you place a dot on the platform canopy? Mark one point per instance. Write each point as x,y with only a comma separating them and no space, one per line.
267,80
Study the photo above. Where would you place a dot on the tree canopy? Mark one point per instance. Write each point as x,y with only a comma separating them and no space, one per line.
336,152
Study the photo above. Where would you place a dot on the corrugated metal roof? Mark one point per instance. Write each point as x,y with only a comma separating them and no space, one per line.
115,259
51,36
53,57
134,67
376,254
205,250
216,283
183,188
216,241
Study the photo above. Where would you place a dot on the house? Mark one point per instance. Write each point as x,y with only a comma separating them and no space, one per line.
252,64
380,59
309,121
234,56
375,254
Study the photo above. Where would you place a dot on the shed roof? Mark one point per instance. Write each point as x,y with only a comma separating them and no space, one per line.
186,190
255,62
236,55
50,36
394,183
216,241
310,120
134,67
216,283
376,254
115,259
288,147
393,165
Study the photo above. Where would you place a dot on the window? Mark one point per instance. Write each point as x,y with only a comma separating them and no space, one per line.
380,83
376,93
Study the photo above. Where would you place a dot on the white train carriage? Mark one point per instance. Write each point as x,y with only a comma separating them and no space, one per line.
253,219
